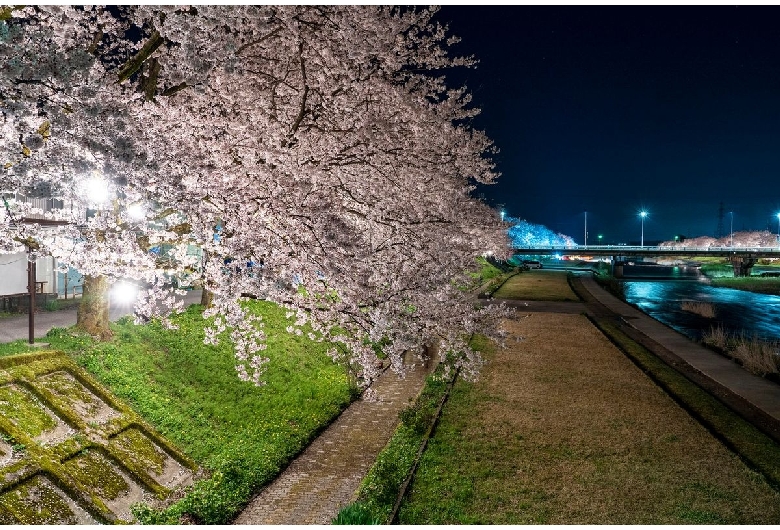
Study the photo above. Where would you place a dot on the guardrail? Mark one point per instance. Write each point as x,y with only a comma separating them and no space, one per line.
622,250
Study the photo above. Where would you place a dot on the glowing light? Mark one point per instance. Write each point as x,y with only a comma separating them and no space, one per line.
124,293
643,214
778,226
97,190
136,211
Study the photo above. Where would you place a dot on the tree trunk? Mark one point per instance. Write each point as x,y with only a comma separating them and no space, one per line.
92,316
206,298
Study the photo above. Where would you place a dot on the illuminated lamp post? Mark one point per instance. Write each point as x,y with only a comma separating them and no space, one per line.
778,227
642,215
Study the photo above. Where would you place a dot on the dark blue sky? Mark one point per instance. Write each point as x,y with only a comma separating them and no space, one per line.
610,109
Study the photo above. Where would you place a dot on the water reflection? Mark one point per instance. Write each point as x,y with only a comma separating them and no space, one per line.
737,311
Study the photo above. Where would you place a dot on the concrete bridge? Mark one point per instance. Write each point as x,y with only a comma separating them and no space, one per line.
741,258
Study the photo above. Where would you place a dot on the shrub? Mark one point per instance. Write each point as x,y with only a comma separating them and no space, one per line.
704,309
613,286
51,305
717,270
355,514
756,356
717,337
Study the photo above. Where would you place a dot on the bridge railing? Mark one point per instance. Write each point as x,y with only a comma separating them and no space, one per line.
622,249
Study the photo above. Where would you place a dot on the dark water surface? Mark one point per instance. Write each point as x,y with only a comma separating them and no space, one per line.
755,315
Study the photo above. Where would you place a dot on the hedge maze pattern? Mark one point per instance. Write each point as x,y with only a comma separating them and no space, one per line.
71,453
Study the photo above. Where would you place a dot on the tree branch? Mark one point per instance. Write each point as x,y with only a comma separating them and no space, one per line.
258,41
134,64
302,111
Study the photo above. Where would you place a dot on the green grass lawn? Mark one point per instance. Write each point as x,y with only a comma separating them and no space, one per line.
543,285
753,284
241,434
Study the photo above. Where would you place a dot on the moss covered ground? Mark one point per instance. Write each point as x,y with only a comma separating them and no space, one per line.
240,434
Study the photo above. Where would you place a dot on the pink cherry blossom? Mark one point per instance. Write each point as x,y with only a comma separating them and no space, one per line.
315,155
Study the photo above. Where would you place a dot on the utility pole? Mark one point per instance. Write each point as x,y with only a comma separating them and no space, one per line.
31,277
731,232
721,215
586,228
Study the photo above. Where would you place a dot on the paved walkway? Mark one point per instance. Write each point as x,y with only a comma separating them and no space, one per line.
763,394
325,477
17,327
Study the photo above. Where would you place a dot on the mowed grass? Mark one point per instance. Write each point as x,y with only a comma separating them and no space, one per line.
537,284
563,429
753,284
241,434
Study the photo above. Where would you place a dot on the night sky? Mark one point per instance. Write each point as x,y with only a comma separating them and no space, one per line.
612,110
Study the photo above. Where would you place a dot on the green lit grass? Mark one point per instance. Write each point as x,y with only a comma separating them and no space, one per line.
752,284
241,434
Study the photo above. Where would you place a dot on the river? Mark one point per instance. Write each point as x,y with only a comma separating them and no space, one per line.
659,291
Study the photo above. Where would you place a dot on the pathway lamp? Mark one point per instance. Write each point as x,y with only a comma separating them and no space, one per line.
642,215
124,293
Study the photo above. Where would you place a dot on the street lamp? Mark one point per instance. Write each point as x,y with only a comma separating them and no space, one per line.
778,227
643,214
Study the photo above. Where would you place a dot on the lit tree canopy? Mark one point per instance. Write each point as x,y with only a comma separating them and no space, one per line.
742,239
523,233
311,152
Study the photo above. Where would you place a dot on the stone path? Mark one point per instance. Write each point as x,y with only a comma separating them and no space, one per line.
325,477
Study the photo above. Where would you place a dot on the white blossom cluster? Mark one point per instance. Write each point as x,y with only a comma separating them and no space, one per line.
315,155
741,239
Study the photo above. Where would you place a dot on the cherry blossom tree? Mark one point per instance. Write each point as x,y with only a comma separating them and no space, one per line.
524,233
315,154
741,239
